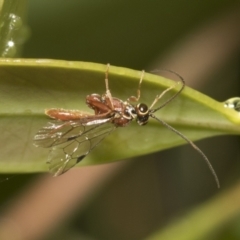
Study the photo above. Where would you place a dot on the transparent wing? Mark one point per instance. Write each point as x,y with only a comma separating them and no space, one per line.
71,141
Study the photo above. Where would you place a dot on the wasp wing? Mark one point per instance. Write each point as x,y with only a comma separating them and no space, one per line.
71,141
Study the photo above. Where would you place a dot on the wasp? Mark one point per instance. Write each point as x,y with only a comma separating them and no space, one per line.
76,133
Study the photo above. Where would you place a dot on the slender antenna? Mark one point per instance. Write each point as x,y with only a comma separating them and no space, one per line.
175,95
192,144
160,96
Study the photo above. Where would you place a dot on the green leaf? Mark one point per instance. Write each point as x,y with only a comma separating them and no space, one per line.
28,86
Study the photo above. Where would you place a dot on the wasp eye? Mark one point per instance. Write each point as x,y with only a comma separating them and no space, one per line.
142,108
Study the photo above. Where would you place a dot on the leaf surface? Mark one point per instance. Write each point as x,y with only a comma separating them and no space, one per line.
28,86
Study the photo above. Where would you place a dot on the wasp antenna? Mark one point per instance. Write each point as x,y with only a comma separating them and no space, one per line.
175,95
193,146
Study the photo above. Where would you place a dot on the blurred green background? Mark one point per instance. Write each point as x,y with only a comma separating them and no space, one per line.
156,189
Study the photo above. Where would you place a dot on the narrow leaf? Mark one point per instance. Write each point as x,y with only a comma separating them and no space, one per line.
28,86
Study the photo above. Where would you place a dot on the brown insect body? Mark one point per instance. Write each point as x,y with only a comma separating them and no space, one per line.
76,133
120,113
66,115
